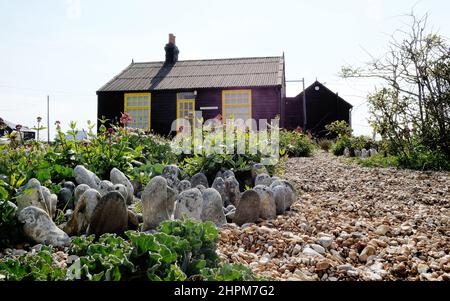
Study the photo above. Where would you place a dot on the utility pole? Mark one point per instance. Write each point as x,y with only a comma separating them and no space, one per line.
48,119
304,106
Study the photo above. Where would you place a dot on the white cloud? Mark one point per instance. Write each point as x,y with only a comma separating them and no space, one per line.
73,10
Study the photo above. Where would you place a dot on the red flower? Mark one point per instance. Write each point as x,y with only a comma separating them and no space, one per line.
18,127
219,117
125,119
180,129
111,131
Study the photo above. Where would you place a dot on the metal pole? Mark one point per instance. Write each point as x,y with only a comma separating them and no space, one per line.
48,118
304,107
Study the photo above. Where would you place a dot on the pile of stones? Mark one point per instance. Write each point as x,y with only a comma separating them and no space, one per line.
96,206
363,153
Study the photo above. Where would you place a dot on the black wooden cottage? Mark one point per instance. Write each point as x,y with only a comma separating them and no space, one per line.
322,108
157,93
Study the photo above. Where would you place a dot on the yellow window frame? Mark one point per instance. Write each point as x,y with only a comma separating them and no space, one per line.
182,102
128,107
232,92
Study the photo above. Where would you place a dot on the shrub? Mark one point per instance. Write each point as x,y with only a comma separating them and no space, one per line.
325,144
296,144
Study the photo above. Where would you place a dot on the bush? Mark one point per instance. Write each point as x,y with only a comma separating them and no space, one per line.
296,144
325,144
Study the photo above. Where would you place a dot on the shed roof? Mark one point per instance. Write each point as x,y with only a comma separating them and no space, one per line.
197,74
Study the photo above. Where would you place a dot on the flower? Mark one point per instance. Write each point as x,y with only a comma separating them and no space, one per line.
125,119
111,131
180,129
219,117
39,119
18,127
58,125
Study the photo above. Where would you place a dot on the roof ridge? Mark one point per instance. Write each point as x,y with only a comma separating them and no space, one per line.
220,59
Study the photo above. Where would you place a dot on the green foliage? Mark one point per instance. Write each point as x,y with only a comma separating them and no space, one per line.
325,144
378,160
9,228
296,144
340,129
32,267
229,272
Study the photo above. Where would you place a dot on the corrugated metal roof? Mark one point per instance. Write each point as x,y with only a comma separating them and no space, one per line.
220,73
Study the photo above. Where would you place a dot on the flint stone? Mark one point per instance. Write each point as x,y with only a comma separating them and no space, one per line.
232,192
189,204
82,214
171,173
247,209
122,190
79,191
346,152
280,195
118,177
263,179
51,201
212,209
358,153
230,215
104,187
85,176
199,179
39,227
257,169
69,185
184,185
228,174
373,152
219,185
133,220
156,203
32,194
110,215
65,197
364,153
288,194
267,206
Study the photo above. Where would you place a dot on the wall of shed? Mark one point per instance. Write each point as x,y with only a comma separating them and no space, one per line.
266,104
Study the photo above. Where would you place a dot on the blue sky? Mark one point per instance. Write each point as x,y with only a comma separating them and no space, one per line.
70,48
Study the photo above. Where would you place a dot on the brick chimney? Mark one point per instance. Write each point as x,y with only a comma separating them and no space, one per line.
171,51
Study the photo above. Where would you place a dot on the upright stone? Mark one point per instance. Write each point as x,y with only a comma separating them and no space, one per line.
79,190
247,210
82,214
189,204
172,174
267,206
232,192
212,209
184,185
219,185
263,179
110,215
258,168
104,187
199,179
156,206
85,176
118,177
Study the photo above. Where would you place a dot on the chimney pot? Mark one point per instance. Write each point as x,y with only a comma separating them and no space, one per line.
171,39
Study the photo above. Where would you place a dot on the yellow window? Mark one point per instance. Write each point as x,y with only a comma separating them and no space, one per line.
186,108
237,104
138,106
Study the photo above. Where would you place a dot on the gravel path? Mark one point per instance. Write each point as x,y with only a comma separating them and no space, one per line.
351,223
